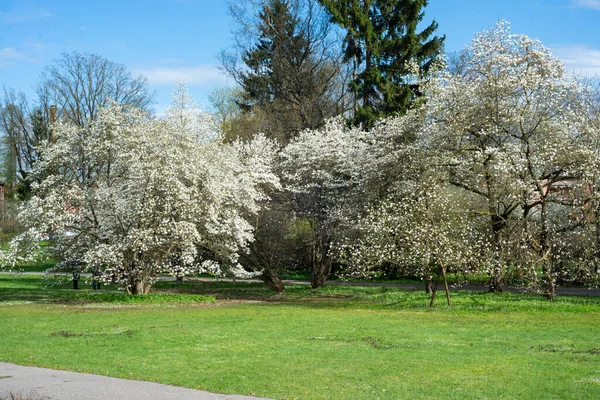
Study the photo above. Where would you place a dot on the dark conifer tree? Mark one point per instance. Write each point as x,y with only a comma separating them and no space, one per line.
381,38
286,73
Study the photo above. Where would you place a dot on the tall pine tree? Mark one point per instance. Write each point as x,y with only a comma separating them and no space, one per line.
381,39
287,73
267,62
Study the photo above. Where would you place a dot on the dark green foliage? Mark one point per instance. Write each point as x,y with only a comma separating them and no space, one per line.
288,75
280,49
381,38
19,182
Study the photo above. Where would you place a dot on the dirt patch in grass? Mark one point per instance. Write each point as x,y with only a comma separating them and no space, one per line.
376,343
113,331
551,348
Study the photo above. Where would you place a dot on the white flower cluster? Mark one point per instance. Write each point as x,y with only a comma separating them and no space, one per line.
136,197
496,171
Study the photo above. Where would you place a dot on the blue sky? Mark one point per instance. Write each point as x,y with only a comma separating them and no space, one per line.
170,40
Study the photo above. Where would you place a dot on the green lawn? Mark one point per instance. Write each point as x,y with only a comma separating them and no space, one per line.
338,343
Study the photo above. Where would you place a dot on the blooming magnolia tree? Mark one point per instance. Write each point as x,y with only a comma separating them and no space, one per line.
511,124
494,169
321,169
499,152
587,266
375,198
425,232
136,196
408,217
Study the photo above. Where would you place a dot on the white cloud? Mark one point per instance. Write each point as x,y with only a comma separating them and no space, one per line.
197,75
11,58
580,59
8,54
593,4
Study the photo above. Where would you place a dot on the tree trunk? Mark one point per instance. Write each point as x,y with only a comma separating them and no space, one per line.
139,287
428,279
548,280
320,273
321,263
272,280
367,84
496,284
428,285
446,285
433,291
549,283
355,95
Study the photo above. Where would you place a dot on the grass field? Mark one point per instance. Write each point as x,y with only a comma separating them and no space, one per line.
337,343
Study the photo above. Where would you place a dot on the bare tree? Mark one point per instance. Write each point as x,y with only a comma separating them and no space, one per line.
79,84
457,62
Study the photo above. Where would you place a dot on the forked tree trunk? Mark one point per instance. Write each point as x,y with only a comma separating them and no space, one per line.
139,287
272,280
428,285
446,288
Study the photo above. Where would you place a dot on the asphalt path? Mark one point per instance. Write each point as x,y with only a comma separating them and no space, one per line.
32,383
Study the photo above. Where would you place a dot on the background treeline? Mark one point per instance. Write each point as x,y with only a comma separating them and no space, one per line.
394,159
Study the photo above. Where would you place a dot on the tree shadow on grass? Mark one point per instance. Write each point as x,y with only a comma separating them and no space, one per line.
30,289
394,298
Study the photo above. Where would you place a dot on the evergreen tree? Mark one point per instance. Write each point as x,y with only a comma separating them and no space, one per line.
380,42
267,62
287,74
9,161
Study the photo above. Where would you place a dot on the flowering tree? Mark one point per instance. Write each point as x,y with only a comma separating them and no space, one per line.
511,125
321,168
137,196
375,198
586,269
507,135
424,231
409,217
494,169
